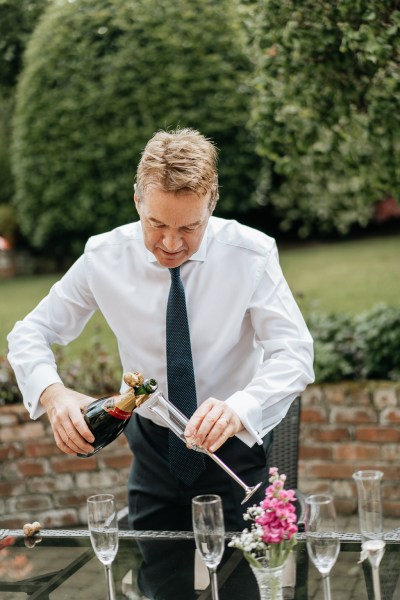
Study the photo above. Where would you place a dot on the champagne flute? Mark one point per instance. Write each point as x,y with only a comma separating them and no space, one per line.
209,534
177,421
322,538
103,528
371,521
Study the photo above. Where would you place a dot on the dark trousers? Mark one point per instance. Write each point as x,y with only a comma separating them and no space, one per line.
159,501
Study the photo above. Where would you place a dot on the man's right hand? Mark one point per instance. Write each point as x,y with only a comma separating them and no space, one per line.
64,409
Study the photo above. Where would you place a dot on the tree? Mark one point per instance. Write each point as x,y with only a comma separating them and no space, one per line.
326,109
17,21
100,78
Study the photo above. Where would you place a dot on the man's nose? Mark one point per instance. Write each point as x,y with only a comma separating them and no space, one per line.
172,241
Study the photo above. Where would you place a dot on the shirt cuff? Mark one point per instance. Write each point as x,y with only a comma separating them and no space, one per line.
43,376
249,412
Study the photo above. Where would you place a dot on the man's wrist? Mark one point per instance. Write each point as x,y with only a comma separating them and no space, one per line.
48,392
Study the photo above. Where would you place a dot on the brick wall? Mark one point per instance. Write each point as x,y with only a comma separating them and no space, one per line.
347,427
39,482
344,427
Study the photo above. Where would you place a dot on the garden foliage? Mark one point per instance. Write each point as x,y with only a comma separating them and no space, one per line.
326,109
365,346
91,96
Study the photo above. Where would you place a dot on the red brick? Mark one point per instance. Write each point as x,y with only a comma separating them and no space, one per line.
335,394
45,448
315,452
58,518
12,488
390,452
313,415
329,433
332,470
391,508
378,434
346,506
10,451
71,499
353,416
13,522
29,468
356,452
32,502
390,416
117,462
22,432
71,464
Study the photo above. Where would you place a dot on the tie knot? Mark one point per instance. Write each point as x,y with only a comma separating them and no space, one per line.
175,272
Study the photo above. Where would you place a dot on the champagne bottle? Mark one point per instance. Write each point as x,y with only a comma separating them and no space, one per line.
107,417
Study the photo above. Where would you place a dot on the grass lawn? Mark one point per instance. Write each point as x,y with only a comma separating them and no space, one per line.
349,276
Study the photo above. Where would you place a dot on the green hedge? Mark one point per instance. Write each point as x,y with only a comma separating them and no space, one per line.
365,346
326,109
100,78
352,348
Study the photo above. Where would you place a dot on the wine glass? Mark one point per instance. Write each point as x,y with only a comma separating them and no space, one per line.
322,538
371,521
177,421
209,534
103,528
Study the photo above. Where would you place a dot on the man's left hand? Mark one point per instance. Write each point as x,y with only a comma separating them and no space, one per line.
212,424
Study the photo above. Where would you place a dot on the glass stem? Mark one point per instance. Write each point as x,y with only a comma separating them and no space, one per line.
376,583
327,587
214,582
110,582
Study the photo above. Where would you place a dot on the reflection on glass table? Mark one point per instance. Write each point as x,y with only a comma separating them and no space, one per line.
161,565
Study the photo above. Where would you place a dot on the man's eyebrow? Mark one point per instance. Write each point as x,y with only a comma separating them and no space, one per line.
157,222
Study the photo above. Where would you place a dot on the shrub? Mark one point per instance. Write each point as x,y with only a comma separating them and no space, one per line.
378,338
326,109
95,373
100,78
334,347
365,346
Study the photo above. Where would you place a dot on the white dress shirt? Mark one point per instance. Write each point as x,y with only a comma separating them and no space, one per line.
250,344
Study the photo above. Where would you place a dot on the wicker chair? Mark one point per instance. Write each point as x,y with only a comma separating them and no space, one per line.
284,453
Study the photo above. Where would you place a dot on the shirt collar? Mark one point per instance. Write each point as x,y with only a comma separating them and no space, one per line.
199,256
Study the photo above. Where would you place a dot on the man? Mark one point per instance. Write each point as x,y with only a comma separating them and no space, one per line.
252,352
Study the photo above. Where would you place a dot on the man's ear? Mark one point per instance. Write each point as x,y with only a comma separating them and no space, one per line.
137,202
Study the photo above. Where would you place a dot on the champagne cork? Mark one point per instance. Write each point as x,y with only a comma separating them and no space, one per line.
30,529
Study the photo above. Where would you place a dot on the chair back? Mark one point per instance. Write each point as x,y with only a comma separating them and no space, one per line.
284,453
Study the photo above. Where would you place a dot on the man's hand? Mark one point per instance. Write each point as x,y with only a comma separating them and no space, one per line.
63,407
212,424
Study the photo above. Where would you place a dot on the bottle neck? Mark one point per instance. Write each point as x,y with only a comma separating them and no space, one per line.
121,407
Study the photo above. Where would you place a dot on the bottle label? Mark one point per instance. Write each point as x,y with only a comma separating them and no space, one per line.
113,410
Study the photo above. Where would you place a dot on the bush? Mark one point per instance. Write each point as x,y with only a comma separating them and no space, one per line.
95,373
326,109
366,346
378,338
100,78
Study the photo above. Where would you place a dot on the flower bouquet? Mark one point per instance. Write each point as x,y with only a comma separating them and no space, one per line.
271,537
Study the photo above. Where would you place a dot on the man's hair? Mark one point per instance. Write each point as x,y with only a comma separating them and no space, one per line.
179,161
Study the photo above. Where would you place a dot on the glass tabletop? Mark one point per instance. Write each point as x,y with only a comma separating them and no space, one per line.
163,566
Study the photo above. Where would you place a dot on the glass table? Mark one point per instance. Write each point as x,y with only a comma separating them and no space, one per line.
163,566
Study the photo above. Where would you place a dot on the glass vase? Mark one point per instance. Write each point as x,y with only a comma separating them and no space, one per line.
269,580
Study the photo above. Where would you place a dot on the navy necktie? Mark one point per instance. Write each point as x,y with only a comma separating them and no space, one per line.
185,464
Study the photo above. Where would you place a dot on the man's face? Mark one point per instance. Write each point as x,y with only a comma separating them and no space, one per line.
173,224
